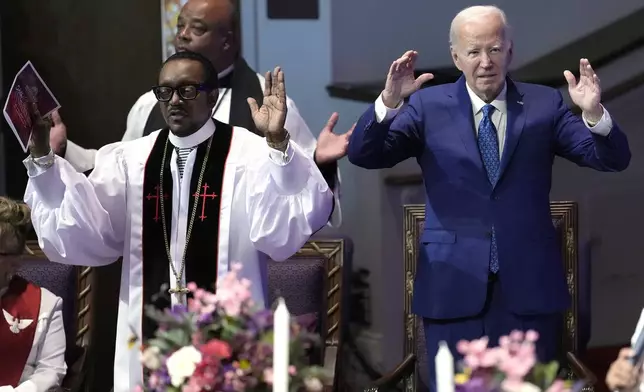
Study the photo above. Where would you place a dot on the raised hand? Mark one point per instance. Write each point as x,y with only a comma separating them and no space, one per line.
57,134
331,146
270,118
39,141
622,375
586,93
401,82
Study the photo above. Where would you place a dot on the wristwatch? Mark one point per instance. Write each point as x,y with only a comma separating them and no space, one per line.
281,146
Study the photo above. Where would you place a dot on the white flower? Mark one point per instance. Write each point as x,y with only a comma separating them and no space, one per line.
313,384
182,364
151,358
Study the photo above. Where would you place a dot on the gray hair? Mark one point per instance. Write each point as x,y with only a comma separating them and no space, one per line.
475,12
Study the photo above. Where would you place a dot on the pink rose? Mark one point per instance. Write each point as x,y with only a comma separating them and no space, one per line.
217,348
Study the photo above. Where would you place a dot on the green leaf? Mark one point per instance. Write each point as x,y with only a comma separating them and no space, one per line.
550,372
543,375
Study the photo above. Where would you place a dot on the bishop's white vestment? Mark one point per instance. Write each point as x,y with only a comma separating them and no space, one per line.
265,204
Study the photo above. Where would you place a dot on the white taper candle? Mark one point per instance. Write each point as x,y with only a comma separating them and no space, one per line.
444,362
281,346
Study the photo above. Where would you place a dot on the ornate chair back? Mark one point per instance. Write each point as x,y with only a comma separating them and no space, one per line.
564,218
315,285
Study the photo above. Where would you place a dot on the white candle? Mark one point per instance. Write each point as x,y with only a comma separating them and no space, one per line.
281,346
444,363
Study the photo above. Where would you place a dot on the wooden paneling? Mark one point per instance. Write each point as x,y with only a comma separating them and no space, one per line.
98,58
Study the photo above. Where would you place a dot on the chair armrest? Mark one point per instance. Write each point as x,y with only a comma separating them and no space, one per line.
75,377
390,380
581,370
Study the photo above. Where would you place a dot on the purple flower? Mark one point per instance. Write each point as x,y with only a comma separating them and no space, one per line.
476,384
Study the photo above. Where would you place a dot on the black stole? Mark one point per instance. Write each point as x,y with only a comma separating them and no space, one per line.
202,252
243,84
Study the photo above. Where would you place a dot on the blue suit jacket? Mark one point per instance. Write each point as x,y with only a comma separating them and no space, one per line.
437,128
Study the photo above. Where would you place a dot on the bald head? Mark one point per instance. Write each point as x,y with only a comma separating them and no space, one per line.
210,28
476,15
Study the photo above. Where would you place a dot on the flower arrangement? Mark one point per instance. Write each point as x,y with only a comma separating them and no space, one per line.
510,367
222,342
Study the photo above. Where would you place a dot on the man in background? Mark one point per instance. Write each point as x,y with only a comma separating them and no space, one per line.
210,27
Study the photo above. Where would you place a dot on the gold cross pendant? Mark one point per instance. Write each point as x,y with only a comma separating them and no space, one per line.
179,290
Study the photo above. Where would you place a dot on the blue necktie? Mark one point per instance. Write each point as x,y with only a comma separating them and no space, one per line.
489,147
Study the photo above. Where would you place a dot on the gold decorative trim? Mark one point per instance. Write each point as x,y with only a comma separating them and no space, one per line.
333,251
564,213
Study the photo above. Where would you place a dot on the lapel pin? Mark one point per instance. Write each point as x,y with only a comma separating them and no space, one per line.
15,324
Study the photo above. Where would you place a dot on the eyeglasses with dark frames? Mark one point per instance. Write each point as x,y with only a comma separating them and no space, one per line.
187,91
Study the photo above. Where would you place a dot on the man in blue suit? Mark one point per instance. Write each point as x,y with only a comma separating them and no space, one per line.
489,258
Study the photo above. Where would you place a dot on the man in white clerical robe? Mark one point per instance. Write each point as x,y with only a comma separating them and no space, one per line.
181,204
208,27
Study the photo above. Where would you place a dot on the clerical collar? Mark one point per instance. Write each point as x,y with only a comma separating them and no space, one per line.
225,72
225,77
196,138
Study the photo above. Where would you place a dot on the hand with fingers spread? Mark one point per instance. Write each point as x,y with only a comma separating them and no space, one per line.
332,146
57,134
622,375
270,118
401,82
586,93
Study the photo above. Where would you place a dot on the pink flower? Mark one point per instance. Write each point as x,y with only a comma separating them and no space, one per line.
292,370
268,376
154,381
217,348
532,336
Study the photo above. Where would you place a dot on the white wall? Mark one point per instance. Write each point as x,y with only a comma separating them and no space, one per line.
368,35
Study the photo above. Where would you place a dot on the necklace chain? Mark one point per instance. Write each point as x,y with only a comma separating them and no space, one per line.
178,276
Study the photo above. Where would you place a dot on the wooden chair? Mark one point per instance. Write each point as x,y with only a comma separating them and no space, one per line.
316,281
412,372
74,286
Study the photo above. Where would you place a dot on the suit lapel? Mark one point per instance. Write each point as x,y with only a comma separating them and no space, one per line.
516,121
464,122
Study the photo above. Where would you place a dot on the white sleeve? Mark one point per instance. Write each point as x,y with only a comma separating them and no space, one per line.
287,199
82,159
80,220
303,137
50,367
137,117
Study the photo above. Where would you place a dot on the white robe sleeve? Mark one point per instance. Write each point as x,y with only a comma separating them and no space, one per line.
303,137
80,220
50,364
287,199
82,159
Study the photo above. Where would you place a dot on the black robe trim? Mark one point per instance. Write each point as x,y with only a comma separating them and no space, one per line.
202,254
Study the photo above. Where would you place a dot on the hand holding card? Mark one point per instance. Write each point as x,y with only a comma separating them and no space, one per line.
39,140
28,102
